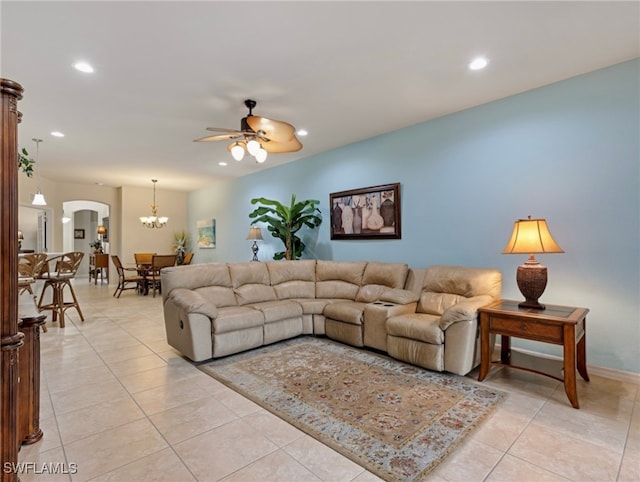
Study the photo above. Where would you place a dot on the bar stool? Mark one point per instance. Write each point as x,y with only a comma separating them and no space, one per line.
66,267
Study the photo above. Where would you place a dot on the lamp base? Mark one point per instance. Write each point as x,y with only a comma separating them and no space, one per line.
532,280
531,304
255,248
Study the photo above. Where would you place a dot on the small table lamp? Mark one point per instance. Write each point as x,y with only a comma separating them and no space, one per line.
531,236
255,235
102,230
20,239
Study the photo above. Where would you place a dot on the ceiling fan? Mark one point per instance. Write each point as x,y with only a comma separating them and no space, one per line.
257,136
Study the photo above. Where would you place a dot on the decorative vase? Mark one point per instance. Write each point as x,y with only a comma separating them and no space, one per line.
386,211
357,220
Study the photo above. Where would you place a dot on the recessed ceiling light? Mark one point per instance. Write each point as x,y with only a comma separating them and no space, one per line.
57,134
83,67
222,163
302,132
478,63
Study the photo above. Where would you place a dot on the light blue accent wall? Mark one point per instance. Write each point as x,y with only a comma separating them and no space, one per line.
568,152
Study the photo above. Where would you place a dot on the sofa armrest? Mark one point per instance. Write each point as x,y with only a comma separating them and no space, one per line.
192,302
399,296
466,310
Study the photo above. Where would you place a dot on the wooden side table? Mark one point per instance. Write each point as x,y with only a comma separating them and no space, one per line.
98,263
559,325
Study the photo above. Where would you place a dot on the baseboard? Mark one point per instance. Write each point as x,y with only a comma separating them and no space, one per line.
620,375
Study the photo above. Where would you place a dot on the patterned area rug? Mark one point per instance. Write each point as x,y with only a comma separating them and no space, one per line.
396,420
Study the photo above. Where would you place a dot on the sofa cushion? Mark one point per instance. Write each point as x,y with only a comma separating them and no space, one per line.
234,318
295,289
314,306
249,273
219,295
369,293
349,271
347,312
195,276
254,293
392,275
416,326
463,281
339,279
191,302
298,270
278,310
399,297
336,289
436,303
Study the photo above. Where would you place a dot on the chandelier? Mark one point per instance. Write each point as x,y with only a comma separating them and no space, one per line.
154,221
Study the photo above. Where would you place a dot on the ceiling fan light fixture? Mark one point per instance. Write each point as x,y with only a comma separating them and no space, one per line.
253,146
237,151
261,155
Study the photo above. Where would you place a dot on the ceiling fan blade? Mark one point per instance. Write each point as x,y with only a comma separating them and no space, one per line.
292,145
274,130
221,137
222,129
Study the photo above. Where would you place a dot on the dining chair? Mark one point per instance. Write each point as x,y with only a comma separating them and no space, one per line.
29,267
65,267
187,258
143,258
128,278
158,262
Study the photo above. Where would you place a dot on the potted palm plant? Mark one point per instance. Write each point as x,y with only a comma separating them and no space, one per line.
283,222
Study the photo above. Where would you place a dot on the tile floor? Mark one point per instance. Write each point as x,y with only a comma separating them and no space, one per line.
120,404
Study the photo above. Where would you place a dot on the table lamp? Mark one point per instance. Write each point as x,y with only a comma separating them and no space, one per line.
255,235
531,236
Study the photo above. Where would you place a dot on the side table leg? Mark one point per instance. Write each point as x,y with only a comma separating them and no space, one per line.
505,349
582,353
485,347
570,364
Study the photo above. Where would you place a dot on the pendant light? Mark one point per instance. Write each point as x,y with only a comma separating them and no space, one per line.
38,198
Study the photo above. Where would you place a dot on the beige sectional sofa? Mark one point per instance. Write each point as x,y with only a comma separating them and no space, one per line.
425,316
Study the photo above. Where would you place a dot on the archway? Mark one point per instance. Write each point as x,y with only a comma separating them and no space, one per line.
82,228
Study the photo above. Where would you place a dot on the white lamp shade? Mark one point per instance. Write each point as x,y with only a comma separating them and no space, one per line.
163,220
261,155
253,146
38,200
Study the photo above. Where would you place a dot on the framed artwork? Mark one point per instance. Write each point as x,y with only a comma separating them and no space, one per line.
367,213
206,233
78,234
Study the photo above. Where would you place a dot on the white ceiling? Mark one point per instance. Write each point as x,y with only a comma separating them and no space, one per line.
345,71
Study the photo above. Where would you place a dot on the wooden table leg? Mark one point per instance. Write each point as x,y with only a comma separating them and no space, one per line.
505,349
582,353
485,347
570,364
